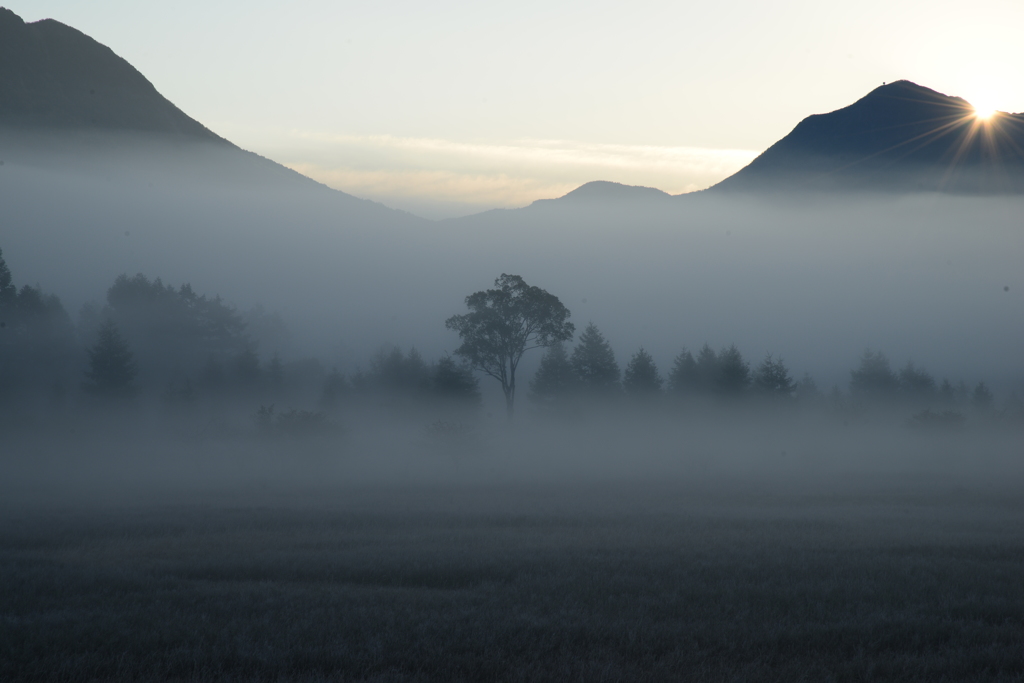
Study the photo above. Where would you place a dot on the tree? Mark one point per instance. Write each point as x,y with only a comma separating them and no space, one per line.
771,378
37,344
915,383
733,372
397,373
641,379
683,378
981,397
454,383
8,291
111,367
874,378
176,331
555,378
707,369
504,323
594,363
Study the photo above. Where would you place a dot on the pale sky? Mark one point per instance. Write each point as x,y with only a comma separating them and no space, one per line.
445,108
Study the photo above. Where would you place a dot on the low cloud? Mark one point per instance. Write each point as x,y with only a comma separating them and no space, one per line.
463,177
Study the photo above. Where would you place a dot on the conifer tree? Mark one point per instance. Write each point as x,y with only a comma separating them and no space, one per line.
8,292
594,362
111,365
771,378
874,378
641,379
733,372
555,378
455,382
683,377
981,397
707,369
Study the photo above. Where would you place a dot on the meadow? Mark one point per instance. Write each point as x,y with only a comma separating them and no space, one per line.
725,578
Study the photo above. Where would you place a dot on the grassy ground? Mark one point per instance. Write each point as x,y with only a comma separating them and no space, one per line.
517,584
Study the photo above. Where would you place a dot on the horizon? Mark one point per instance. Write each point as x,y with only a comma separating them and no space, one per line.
507,129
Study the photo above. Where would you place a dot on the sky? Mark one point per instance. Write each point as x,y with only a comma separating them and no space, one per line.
448,108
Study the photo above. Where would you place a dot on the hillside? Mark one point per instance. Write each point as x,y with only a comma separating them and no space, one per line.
899,137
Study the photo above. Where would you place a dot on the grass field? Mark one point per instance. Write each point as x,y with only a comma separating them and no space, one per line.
520,583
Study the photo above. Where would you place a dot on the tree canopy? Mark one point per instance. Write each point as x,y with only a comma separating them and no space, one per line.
555,379
111,365
642,379
505,322
594,362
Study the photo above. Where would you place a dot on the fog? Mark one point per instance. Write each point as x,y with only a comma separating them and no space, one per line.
235,440
811,278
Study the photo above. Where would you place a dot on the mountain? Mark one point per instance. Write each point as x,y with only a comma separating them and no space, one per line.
899,137
53,76
102,175
70,103
604,191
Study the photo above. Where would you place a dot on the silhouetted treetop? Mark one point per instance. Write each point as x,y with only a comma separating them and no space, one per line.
505,322
873,378
111,365
641,379
683,377
555,379
771,378
175,331
454,382
594,362
733,372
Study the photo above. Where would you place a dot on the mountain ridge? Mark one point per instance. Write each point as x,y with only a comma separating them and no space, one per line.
55,76
901,136
70,102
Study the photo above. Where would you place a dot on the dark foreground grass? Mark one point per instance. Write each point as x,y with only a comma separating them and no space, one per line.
517,585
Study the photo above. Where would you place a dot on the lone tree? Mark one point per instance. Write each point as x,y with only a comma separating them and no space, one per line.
504,323
111,368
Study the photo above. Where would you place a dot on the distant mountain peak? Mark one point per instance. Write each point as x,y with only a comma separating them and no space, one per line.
54,76
604,190
900,136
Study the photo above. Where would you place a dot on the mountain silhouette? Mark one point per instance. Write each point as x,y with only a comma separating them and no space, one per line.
899,137
53,76
69,103
603,190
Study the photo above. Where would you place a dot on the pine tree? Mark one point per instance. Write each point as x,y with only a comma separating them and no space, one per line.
981,397
771,378
683,378
555,378
455,382
707,370
733,372
641,379
111,366
594,362
874,378
8,292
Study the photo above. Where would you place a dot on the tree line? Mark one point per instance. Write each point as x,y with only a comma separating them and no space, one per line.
505,322
151,337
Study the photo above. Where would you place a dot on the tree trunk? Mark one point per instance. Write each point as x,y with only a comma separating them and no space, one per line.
510,397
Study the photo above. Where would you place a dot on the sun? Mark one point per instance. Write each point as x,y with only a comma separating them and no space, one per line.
984,107
983,112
